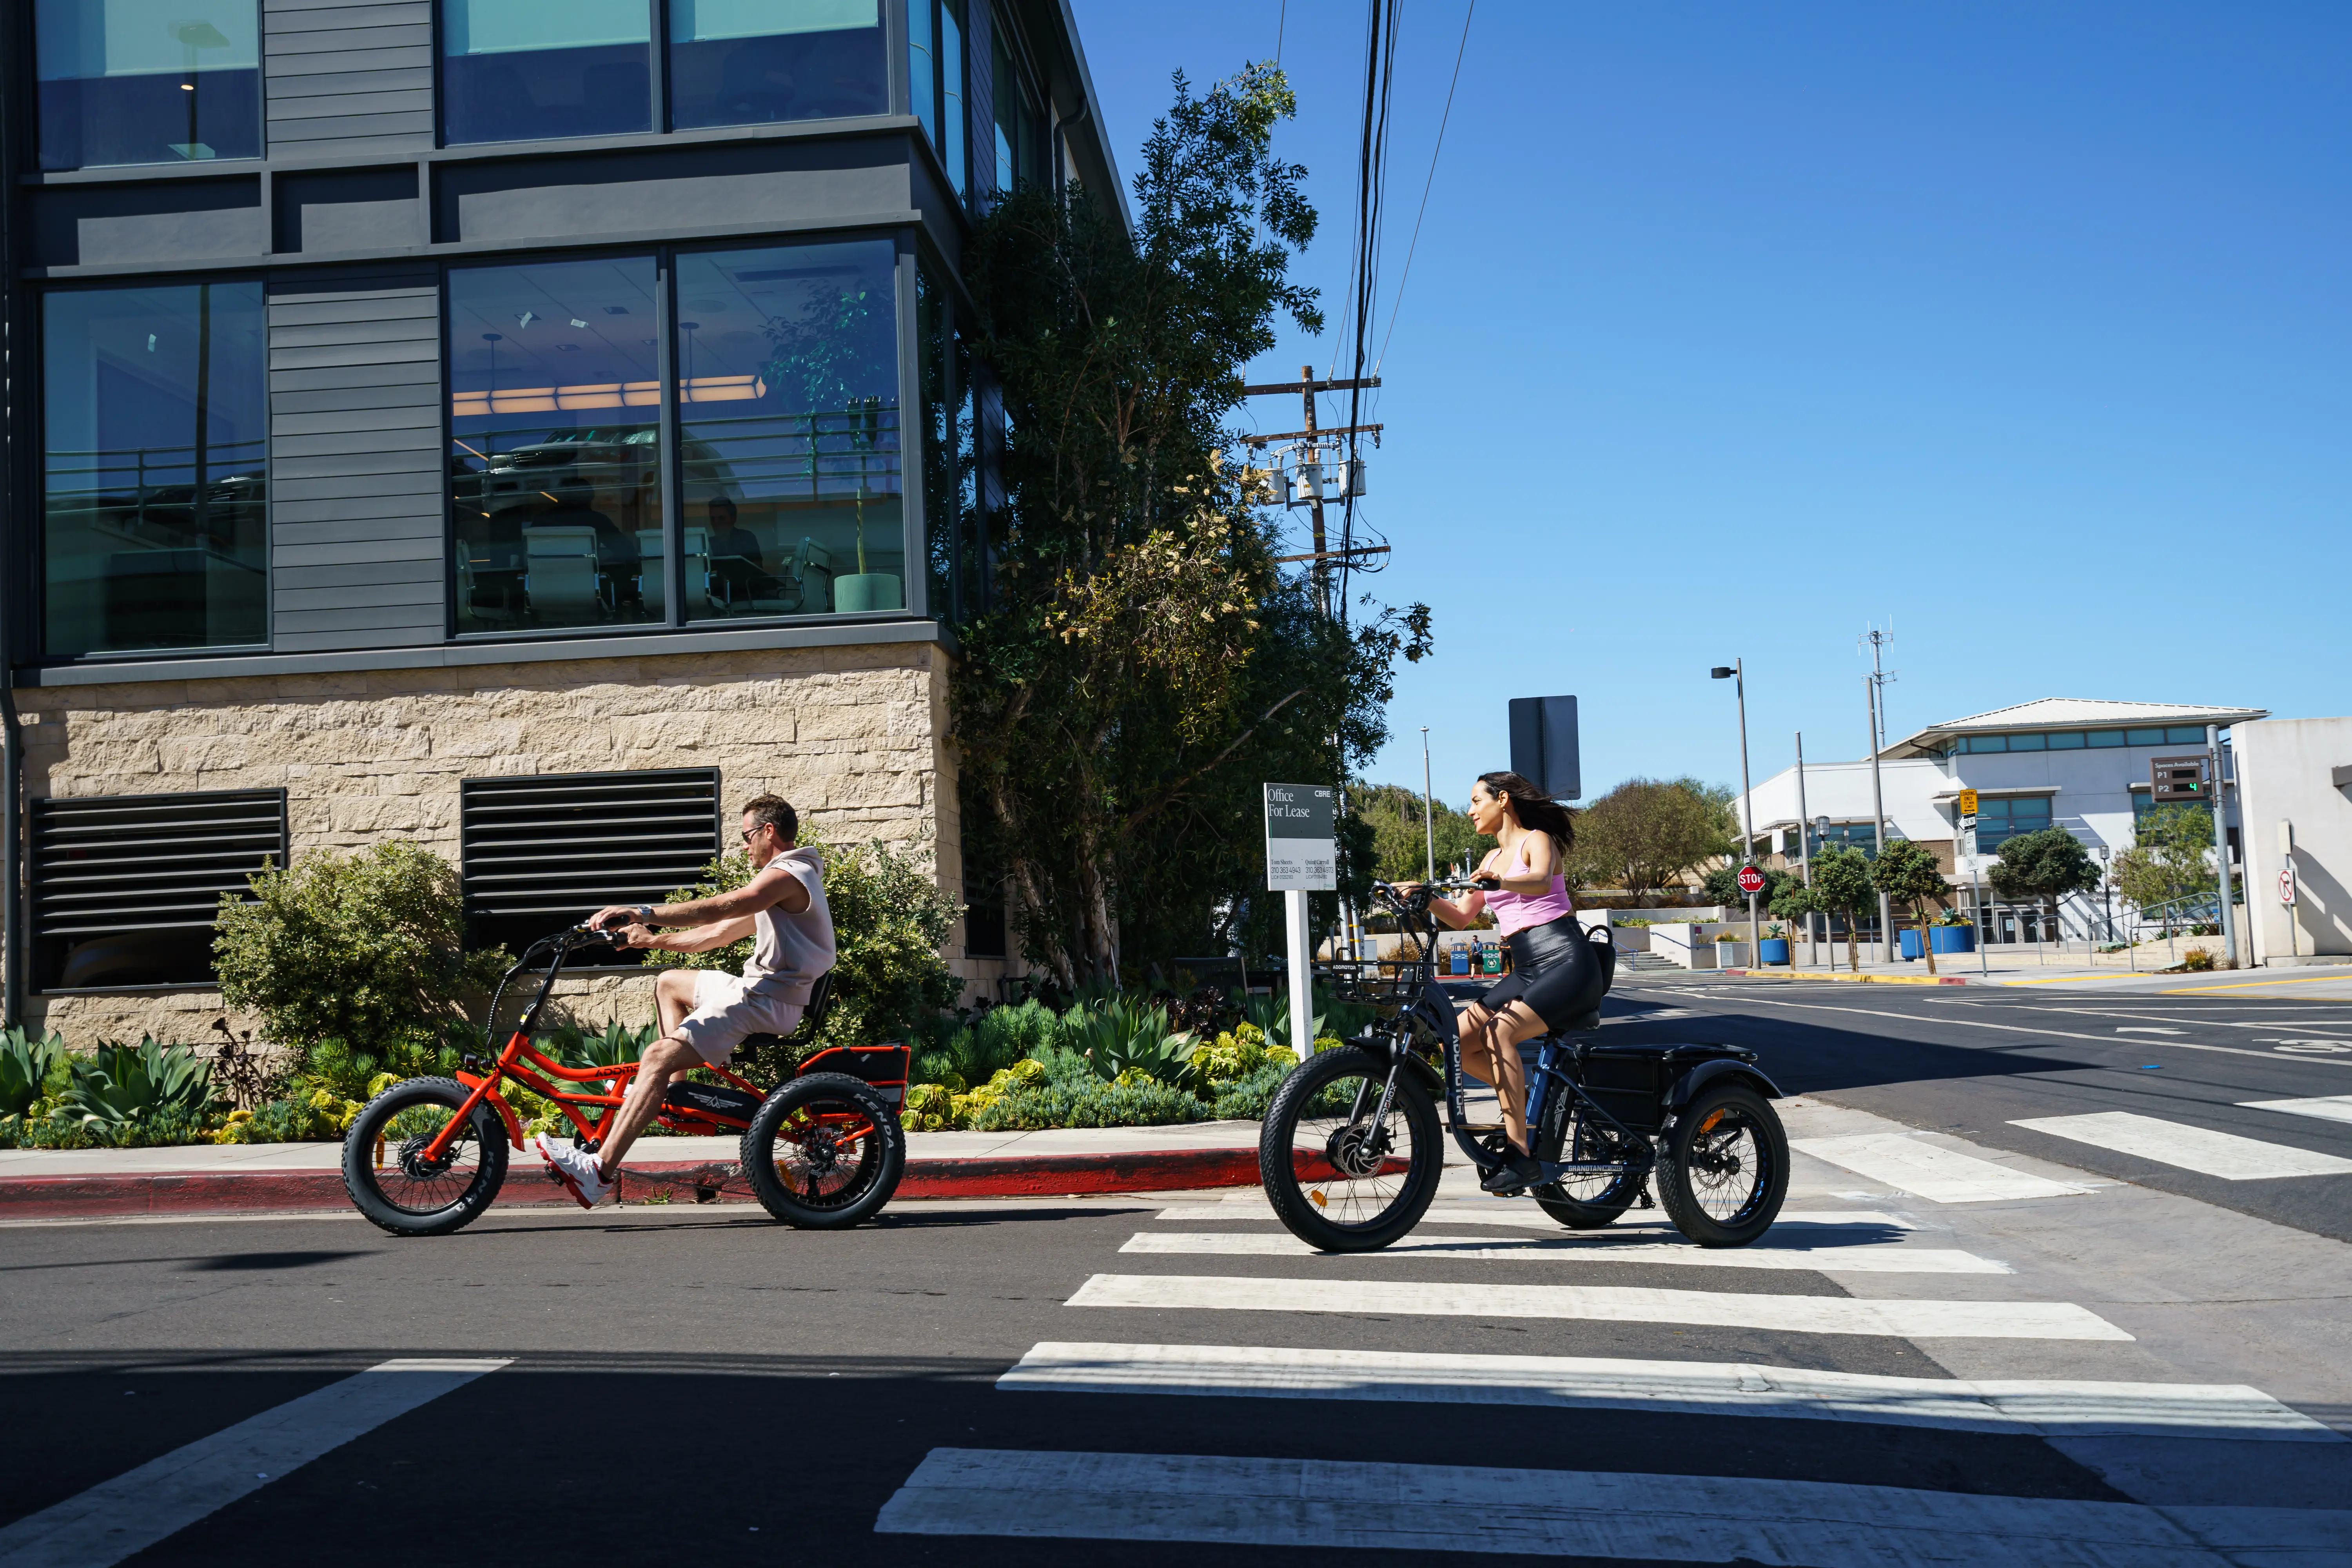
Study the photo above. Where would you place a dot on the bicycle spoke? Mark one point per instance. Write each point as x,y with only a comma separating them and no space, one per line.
1350,1161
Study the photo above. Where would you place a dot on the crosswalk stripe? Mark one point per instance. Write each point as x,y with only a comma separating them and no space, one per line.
1528,1217
1459,1508
2328,1108
2042,1408
1857,1258
1605,1303
1941,1176
138,1508
2199,1148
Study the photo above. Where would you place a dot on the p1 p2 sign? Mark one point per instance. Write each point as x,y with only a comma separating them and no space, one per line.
1543,745
1302,852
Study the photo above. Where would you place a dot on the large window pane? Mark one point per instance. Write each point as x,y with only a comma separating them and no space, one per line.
741,62
789,360
935,73
517,70
1020,128
147,81
152,405
556,442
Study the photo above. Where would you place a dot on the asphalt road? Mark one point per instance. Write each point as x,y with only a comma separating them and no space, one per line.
680,1385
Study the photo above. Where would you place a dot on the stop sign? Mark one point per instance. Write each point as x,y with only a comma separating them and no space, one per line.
1751,880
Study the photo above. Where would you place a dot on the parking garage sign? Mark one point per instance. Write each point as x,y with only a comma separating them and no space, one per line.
1302,851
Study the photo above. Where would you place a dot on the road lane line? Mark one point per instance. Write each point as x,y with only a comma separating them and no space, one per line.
2031,1407
2328,1108
2252,984
1941,1176
2109,1041
2210,1154
1604,1304
1451,1509
1526,1216
117,1519
1857,1258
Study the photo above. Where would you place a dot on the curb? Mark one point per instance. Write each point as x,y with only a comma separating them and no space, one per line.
270,1191
1856,979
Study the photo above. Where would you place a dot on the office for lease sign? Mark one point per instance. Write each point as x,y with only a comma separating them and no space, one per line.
1302,850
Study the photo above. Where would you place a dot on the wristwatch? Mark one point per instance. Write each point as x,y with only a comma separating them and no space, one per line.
644,913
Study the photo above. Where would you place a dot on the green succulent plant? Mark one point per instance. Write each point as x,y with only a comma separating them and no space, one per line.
119,1084
27,1063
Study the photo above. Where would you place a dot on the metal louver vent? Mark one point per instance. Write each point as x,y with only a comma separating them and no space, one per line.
125,888
542,851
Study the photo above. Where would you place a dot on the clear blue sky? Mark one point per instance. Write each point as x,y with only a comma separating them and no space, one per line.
1733,329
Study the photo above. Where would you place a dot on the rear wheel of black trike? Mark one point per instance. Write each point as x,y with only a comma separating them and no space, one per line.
1340,1176
824,1152
1570,1133
1725,1168
393,1184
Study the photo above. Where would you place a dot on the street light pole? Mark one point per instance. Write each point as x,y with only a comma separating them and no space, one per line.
1804,849
1428,821
2220,799
1878,824
1738,674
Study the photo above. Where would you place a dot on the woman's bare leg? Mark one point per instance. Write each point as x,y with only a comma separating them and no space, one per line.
1517,1023
1470,1026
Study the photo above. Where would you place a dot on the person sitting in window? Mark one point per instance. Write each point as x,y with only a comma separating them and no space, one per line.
617,558
735,555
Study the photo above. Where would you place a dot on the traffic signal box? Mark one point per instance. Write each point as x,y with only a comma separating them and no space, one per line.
2178,780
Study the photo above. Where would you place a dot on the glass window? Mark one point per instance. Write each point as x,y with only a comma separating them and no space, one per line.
2102,737
2002,818
153,404
517,70
2184,734
1988,742
2066,740
2143,737
147,81
2028,744
743,62
935,76
789,421
1020,128
556,441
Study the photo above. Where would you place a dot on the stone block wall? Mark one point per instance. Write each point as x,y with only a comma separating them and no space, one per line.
851,736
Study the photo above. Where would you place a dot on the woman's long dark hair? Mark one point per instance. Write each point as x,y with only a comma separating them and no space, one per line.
1535,811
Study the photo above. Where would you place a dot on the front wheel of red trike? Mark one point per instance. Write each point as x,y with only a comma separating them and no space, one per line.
824,1152
390,1181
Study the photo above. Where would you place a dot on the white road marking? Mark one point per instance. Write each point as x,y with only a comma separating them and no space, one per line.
2143,1029
1604,1304
1448,1509
117,1519
2222,1154
2023,1029
1593,1247
2329,1108
1526,1216
1942,1175
2041,1408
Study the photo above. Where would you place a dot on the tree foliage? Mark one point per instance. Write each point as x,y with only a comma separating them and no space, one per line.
2171,859
1907,874
2043,867
1646,833
1400,847
1721,886
1143,666
1842,885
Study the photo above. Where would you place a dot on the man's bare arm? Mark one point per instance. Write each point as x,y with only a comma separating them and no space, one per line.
775,888
695,939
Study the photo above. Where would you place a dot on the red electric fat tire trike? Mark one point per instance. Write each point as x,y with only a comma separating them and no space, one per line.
822,1151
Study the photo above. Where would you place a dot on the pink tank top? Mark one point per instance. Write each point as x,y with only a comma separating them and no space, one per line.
1516,911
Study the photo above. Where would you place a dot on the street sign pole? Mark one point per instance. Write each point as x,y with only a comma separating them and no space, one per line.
2220,801
1804,852
1301,857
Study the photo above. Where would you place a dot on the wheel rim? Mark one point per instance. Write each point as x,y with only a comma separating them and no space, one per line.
1350,1166
1727,1165
401,1176
828,1152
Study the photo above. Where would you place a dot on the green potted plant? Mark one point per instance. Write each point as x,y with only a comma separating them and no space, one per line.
839,348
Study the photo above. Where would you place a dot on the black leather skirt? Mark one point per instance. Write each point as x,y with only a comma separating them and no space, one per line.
1554,971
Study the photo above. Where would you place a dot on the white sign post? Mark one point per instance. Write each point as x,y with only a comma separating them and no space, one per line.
1302,856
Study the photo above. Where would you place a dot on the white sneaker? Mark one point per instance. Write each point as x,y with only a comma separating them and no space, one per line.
581,1173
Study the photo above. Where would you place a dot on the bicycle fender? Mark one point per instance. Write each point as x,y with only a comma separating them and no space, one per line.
506,1112
1699,1077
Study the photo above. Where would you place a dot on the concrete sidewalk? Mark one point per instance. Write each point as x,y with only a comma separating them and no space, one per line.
2019,969
50,1183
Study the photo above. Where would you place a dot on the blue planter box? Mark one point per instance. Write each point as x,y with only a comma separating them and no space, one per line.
1944,938
1772,950
1910,941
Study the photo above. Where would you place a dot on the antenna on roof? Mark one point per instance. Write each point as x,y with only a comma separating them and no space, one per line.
1879,673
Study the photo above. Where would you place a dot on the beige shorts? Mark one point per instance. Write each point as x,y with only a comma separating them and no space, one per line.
726,1010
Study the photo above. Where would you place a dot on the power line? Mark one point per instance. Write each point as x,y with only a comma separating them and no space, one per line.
1281,23
1406,276
1371,186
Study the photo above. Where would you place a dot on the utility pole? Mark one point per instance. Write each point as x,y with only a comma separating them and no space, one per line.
2220,801
1878,818
1738,674
1428,817
1804,843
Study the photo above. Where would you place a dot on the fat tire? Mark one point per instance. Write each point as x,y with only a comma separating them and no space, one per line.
888,1144
1598,1211
359,1159
1674,1190
1294,1098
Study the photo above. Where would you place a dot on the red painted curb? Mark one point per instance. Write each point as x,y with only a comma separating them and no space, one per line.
255,1191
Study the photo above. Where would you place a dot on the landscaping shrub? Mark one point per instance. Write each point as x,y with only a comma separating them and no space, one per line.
120,1097
1144,1103
1122,1033
31,1069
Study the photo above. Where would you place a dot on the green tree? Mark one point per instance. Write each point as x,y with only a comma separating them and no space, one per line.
2043,866
1842,885
1907,874
365,951
1645,833
2171,859
1143,665
1400,847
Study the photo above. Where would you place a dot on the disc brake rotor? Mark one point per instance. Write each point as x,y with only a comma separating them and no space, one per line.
1355,1151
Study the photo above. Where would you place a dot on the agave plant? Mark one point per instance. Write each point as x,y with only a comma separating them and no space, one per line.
617,1047
118,1084
26,1064
1118,1033
1271,1016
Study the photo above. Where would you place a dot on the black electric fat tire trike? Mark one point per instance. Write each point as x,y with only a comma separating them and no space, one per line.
1350,1153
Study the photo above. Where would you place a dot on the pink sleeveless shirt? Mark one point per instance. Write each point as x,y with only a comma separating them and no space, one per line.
1516,911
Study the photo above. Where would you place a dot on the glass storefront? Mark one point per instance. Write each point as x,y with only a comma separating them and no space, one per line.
518,70
152,406
788,361
555,444
147,81
743,62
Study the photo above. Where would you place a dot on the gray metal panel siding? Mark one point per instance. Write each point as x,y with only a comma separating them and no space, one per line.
356,462
348,76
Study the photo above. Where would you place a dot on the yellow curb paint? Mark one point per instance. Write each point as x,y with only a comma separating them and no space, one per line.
2253,985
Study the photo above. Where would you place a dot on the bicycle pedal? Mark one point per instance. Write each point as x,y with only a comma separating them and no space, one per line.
1479,1129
